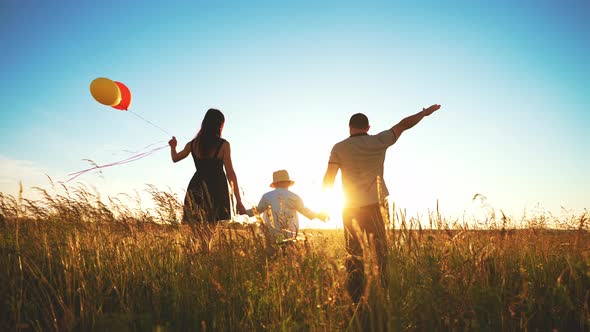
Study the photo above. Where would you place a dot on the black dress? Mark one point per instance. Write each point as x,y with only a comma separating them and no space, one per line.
207,195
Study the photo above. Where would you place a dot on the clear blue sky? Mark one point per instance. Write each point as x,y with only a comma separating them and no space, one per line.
512,77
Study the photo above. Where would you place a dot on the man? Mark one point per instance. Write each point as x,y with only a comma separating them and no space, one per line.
360,158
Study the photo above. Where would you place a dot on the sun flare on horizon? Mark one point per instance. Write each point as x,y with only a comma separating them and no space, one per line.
328,201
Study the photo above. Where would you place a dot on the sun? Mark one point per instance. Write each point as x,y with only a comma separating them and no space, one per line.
326,201
332,203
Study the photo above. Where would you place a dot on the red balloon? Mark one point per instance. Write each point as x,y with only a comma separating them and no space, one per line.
125,97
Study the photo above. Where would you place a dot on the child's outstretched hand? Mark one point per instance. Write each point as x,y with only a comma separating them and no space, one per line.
323,216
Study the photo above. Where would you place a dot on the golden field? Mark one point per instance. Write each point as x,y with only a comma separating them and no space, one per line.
71,262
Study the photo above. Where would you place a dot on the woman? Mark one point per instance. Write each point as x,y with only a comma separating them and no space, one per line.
207,197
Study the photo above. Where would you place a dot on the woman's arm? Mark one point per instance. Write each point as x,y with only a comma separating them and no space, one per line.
231,176
178,156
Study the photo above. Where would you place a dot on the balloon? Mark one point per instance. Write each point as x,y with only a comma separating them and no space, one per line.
105,91
125,97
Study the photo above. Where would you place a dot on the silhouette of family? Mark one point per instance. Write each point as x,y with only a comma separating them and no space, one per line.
359,158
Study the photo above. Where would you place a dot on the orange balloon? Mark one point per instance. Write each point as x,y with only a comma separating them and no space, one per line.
125,97
105,91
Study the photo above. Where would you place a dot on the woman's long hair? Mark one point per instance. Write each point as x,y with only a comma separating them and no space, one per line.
210,131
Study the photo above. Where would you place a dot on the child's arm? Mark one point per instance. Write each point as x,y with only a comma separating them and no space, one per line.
261,208
308,213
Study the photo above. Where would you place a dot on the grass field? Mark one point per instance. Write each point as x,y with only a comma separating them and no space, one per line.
70,262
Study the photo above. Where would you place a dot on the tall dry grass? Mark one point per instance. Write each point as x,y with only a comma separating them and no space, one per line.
71,262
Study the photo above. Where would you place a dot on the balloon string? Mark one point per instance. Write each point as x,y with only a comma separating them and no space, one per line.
144,148
120,162
139,116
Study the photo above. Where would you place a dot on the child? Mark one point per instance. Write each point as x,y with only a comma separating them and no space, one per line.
279,208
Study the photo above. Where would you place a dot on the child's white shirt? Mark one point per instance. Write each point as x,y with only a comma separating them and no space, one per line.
284,205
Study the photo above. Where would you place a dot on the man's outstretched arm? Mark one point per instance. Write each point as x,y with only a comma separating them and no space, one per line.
412,120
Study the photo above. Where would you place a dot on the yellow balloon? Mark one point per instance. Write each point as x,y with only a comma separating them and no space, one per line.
105,91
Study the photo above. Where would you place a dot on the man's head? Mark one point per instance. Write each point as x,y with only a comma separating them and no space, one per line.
358,124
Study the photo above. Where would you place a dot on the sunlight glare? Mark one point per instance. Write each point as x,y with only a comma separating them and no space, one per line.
330,202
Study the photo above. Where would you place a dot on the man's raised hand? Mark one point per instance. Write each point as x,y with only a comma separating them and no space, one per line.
430,110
